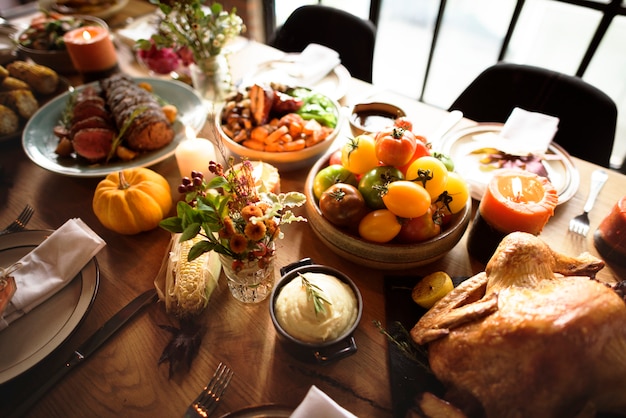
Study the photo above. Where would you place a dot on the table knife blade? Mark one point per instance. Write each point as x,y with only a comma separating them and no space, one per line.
88,347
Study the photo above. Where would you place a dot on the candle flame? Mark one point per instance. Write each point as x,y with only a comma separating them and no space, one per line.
516,188
86,35
190,133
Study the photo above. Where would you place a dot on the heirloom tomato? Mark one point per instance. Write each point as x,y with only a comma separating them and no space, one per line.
445,159
404,123
343,205
406,199
330,175
395,146
421,150
335,157
379,226
373,184
358,154
456,194
431,173
418,229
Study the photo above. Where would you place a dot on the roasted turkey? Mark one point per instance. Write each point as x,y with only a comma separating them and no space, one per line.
534,335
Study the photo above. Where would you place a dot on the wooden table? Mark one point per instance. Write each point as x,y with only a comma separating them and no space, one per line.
124,379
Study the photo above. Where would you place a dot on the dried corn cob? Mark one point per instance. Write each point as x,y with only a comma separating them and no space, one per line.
188,284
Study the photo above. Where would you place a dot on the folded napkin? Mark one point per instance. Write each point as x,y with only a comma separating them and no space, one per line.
52,265
318,404
314,63
523,133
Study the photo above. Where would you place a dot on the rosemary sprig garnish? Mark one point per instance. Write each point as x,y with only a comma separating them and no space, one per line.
404,343
314,292
118,138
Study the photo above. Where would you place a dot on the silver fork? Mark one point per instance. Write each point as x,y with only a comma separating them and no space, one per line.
20,222
207,400
580,224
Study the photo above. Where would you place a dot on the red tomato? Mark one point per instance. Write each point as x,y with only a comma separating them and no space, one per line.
379,226
404,123
421,150
335,158
406,199
343,205
395,146
418,229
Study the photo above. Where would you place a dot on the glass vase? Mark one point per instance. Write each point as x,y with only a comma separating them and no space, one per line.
249,281
212,79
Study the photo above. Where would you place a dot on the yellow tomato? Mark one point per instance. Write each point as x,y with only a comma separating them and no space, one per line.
457,191
359,154
379,226
431,173
406,199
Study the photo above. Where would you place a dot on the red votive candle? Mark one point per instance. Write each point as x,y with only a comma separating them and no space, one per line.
513,201
610,237
91,49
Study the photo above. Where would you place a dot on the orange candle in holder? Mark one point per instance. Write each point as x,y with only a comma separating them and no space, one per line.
91,49
513,201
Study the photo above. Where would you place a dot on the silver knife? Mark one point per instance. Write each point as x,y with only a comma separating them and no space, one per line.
87,348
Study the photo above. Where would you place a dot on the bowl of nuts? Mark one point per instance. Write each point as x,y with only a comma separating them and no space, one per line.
287,127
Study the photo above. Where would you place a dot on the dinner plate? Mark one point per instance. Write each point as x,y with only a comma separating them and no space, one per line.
334,85
262,411
39,141
103,12
459,144
54,320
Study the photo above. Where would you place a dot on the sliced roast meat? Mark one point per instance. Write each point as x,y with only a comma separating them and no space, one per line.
93,144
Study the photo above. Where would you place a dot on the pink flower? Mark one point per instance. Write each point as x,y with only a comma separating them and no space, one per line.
161,61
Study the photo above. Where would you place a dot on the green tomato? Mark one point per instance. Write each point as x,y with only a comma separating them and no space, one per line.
445,159
373,183
333,174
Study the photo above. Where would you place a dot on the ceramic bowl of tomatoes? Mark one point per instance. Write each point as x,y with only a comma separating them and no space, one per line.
287,127
393,214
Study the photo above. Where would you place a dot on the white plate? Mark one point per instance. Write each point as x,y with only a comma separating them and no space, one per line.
334,85
54,320
39,141
103,12
458,144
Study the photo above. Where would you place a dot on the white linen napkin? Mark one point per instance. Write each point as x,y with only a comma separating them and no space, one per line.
523,133
318,404
314,63
52,265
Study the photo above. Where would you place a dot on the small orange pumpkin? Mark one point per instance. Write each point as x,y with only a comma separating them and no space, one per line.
132,201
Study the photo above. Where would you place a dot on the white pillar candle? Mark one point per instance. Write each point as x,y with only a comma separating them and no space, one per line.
194,154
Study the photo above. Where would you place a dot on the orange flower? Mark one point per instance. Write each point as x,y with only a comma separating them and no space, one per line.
238,243
255,231
251,210
272,228
229,228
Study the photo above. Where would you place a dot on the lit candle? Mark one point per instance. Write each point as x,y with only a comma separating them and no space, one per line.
91,49
513,201
194,154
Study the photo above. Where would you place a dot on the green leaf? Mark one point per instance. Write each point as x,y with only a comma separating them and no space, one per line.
200,248
191,231
173,224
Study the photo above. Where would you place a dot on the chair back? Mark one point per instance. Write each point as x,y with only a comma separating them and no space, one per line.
587,116
352,37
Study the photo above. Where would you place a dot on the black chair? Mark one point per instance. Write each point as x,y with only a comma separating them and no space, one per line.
352,37
588,116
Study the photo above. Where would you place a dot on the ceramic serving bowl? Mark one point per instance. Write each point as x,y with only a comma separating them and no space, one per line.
324,352
387,256
59,60
284,161
373,117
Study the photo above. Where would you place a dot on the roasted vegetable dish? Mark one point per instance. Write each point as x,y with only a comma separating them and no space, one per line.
278,118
